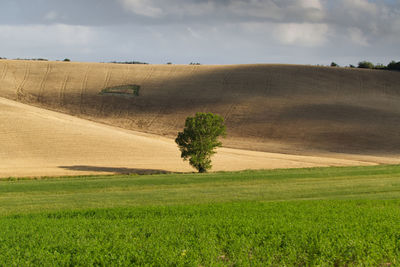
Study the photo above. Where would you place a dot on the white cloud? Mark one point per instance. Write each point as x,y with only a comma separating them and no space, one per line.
143,7
357,36
193,33
289,10
314,4
52,15
360,6
266,9
72,35
313,9
42,38
160,8
304,34
241,9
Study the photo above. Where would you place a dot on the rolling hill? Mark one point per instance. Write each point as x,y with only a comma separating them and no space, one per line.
342,116
39,142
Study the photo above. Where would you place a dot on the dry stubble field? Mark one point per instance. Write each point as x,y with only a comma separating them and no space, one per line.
55,121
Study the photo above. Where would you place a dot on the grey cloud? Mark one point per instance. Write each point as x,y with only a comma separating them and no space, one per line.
374,23
366,15
372,17
106,12
291,31
231,11
77,12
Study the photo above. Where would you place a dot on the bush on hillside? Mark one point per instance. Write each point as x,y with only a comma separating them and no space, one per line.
380,66
33,59
393,65
122,90
129,62
365,65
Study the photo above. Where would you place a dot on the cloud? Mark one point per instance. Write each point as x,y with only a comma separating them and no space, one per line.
143,7
313,4
304,34
52,15
357,37
369,16
193,33
217,31
361,6
230,10
160,8
38,40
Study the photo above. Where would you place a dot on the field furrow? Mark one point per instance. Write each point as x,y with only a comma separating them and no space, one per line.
333,115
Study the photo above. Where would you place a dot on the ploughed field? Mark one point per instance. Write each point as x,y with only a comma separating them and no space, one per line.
341,216
39,142
266,107
294,116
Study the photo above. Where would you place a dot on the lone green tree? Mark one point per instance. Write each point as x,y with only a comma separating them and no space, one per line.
199,139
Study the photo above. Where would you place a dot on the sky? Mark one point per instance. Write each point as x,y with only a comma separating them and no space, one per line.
313,32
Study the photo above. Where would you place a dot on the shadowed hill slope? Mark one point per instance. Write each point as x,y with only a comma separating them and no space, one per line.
286,108
39,142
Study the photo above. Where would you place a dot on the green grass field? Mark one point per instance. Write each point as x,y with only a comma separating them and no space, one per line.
322,216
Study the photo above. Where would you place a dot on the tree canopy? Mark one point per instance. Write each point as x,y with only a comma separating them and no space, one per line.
365,65
199,139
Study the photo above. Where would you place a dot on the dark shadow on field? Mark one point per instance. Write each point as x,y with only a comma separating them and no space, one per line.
305,108
114,170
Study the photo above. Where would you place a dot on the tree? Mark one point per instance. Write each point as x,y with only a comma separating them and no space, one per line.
380,66
199,139
365,65
393,65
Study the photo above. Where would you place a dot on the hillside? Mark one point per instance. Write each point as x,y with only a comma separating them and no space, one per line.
295,109
325,116
39,142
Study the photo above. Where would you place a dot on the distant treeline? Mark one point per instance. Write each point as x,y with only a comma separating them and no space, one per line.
393,65
36,59
129,62
191,63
